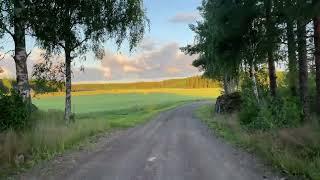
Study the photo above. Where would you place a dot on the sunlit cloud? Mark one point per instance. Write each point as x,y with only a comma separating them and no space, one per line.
159,62
8,64
151,61
173,70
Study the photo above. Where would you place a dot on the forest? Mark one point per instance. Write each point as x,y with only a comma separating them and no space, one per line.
184,83
244,44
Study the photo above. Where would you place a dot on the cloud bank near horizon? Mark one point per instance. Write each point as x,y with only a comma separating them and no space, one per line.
151,61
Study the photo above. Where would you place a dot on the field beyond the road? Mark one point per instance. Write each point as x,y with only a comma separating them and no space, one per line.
109,100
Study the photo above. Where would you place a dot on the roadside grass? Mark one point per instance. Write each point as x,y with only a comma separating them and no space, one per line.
295,151
94,115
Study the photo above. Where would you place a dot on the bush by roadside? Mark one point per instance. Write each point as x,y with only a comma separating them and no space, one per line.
260,111
13,112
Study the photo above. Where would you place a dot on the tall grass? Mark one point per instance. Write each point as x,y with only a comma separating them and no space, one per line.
51,136
296,151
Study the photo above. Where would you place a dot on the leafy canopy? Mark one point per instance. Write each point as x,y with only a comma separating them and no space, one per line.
80,25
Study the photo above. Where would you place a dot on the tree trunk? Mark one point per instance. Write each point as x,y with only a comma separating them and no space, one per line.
271,63
229,84
293,74
225,85
272,74
20,56
316,22
254,81
67,112
303,67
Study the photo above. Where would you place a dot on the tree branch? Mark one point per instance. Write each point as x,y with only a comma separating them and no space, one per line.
6,29
81,42
29,54
4,54
61,45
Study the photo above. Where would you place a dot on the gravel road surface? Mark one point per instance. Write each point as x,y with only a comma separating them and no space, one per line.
175,145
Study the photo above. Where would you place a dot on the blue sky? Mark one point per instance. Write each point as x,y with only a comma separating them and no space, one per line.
157,57
163,27
162,11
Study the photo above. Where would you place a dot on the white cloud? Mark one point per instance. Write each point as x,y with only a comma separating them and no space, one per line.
8,64
148,44
162,62
151,61
185,18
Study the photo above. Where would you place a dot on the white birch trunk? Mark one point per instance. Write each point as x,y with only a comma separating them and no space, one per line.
67,112
20,56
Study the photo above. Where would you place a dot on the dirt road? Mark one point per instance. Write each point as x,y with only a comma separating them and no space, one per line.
173,146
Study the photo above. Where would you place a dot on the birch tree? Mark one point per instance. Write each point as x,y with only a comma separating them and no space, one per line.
13,22
74,27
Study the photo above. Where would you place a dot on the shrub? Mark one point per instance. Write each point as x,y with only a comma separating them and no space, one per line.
268,112
249,108
13,112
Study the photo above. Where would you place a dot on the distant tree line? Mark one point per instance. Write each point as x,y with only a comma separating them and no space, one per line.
189,83
186,83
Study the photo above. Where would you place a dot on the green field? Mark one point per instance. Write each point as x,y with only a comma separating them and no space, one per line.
95,114
110,102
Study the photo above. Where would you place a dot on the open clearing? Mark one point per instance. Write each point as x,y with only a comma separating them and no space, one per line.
173,146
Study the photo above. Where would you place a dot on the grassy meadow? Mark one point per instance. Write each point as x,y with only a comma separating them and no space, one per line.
109,100
96,112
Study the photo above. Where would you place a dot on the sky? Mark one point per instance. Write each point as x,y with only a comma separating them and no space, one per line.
157,56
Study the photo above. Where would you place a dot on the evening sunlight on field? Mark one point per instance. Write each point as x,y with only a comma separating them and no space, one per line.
160,89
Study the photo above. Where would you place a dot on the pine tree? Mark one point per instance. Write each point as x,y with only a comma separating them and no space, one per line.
288,9
303,66
316,23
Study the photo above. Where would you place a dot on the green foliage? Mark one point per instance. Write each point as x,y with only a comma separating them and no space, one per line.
77,26
13,112
249,109
81,25
275,113
245,35
267,112
229,35
47,77
295,151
